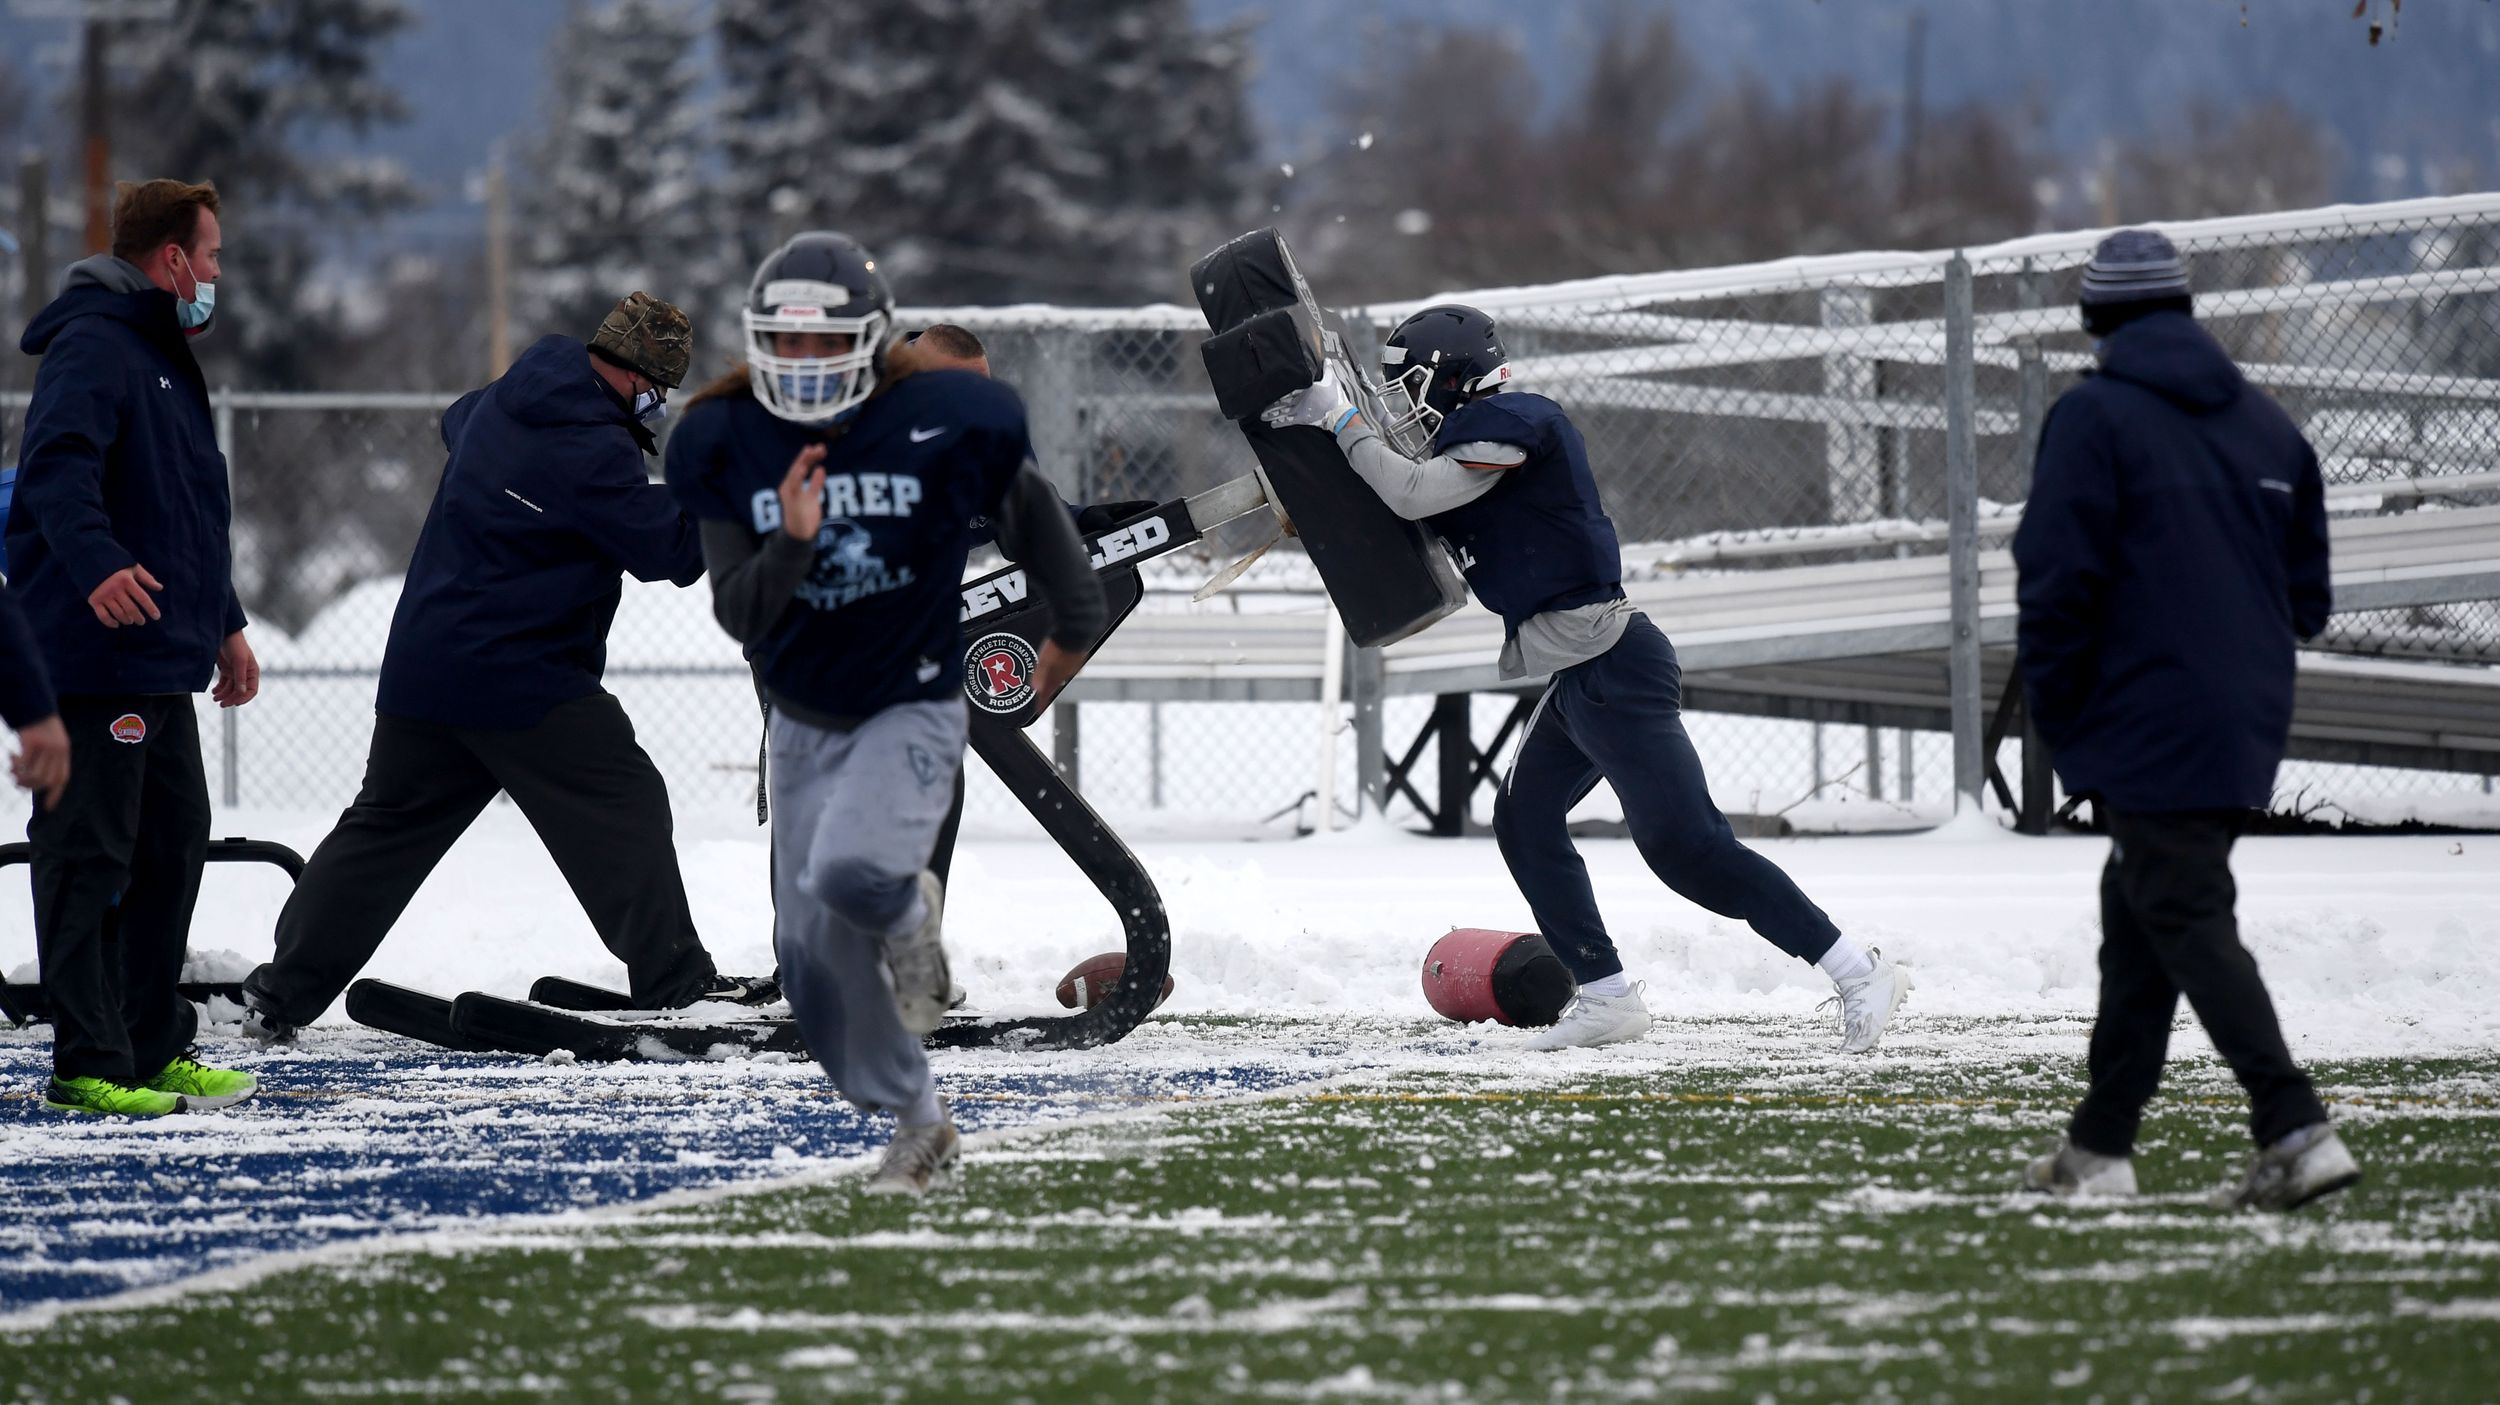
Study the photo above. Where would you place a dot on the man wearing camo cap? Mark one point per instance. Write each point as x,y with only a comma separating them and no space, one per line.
491,680
2173,550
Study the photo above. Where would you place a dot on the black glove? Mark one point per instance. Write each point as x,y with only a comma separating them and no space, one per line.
1103,516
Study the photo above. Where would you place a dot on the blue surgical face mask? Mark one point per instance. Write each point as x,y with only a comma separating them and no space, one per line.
649,408
195,310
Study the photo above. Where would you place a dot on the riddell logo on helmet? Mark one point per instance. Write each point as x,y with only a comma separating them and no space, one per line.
998,673
130,729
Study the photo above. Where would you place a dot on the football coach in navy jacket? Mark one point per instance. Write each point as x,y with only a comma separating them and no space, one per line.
119,554
491,679
2173,552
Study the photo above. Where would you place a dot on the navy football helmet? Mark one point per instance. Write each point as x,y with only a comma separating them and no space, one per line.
1436,361
825,283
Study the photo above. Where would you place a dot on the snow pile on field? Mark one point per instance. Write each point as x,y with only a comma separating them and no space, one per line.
2371,945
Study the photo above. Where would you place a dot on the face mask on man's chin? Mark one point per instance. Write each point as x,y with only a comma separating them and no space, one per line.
650,409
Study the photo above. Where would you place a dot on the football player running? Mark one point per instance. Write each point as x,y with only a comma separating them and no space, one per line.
836,503
1504,479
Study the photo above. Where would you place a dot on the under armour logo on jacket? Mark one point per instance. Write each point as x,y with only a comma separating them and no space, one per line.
164,383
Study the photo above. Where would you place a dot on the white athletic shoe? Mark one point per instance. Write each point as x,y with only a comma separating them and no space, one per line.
1591,1020
2071,1173
1868,1003
2294,1171
918,1160
915,962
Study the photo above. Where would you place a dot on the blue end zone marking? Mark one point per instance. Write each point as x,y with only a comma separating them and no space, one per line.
393,1138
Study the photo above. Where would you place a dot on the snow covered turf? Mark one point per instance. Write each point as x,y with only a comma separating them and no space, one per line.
1293,1184
1711,1214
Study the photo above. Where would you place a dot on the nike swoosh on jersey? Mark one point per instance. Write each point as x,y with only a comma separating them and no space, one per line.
923,436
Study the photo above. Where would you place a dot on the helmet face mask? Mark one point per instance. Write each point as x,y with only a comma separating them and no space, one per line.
1409,419
1436,361
822,285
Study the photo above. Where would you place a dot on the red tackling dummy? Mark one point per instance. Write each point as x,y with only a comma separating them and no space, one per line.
1514,977
1096,977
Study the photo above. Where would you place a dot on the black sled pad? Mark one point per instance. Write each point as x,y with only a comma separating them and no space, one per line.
411,1014
1389,577
522,1028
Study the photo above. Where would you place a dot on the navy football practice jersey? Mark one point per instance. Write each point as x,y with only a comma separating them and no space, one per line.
876,621
1540,540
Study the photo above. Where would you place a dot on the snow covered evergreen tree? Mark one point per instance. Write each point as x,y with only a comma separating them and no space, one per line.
256,96
1062,150
245,93
608,199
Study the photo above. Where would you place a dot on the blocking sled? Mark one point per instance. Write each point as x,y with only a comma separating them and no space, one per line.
28,1004
1388,576
1004,624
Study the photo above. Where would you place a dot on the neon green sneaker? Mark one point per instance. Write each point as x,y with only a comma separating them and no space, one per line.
203,1089
103,1095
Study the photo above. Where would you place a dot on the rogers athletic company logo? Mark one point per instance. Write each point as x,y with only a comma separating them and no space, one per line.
130,729
998,672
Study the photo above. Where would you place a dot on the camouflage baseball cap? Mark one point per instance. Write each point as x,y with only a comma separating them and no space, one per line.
642,333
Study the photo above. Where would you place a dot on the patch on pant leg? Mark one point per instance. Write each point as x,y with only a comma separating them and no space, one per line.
923,764
130,729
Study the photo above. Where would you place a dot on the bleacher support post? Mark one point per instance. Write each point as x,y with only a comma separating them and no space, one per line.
1961,482
1455,743
1368,681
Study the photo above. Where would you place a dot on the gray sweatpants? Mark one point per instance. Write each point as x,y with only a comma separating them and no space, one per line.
855,815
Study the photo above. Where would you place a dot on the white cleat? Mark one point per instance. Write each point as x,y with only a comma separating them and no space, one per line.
918,1160
915,961
2294,1171
1868,1004
1591,1020
2071,1173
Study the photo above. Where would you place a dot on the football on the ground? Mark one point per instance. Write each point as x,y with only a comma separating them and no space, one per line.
1094,978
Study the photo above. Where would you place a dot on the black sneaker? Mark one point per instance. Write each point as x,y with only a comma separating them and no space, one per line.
744,990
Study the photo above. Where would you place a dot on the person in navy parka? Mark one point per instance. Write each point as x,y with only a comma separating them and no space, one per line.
118,552
491,680
2173,551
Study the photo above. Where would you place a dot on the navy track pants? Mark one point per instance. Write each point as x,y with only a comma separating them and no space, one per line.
1619,717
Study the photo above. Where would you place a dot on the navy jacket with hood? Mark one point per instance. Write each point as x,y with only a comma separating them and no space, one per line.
121,467
518,571
2173,550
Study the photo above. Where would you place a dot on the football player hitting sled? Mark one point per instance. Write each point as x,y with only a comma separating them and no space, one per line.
835,506
1502,476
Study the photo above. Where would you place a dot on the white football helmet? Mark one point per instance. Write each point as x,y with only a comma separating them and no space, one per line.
825,283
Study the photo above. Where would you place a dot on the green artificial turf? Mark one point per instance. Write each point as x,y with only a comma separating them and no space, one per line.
1742,1230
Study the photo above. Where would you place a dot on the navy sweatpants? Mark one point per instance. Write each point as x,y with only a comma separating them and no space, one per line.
1619,717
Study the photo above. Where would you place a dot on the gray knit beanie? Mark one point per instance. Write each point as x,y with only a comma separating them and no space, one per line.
2133,265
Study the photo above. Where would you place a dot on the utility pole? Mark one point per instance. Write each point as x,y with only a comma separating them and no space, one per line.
96,133
34,233
498,268
1913,107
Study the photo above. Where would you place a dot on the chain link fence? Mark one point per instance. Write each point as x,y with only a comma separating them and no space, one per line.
1737,419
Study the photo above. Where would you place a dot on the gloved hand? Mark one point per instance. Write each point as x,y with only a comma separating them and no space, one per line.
1323,403
1103,516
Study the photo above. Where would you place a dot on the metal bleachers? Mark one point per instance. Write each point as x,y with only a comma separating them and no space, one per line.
1864,642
